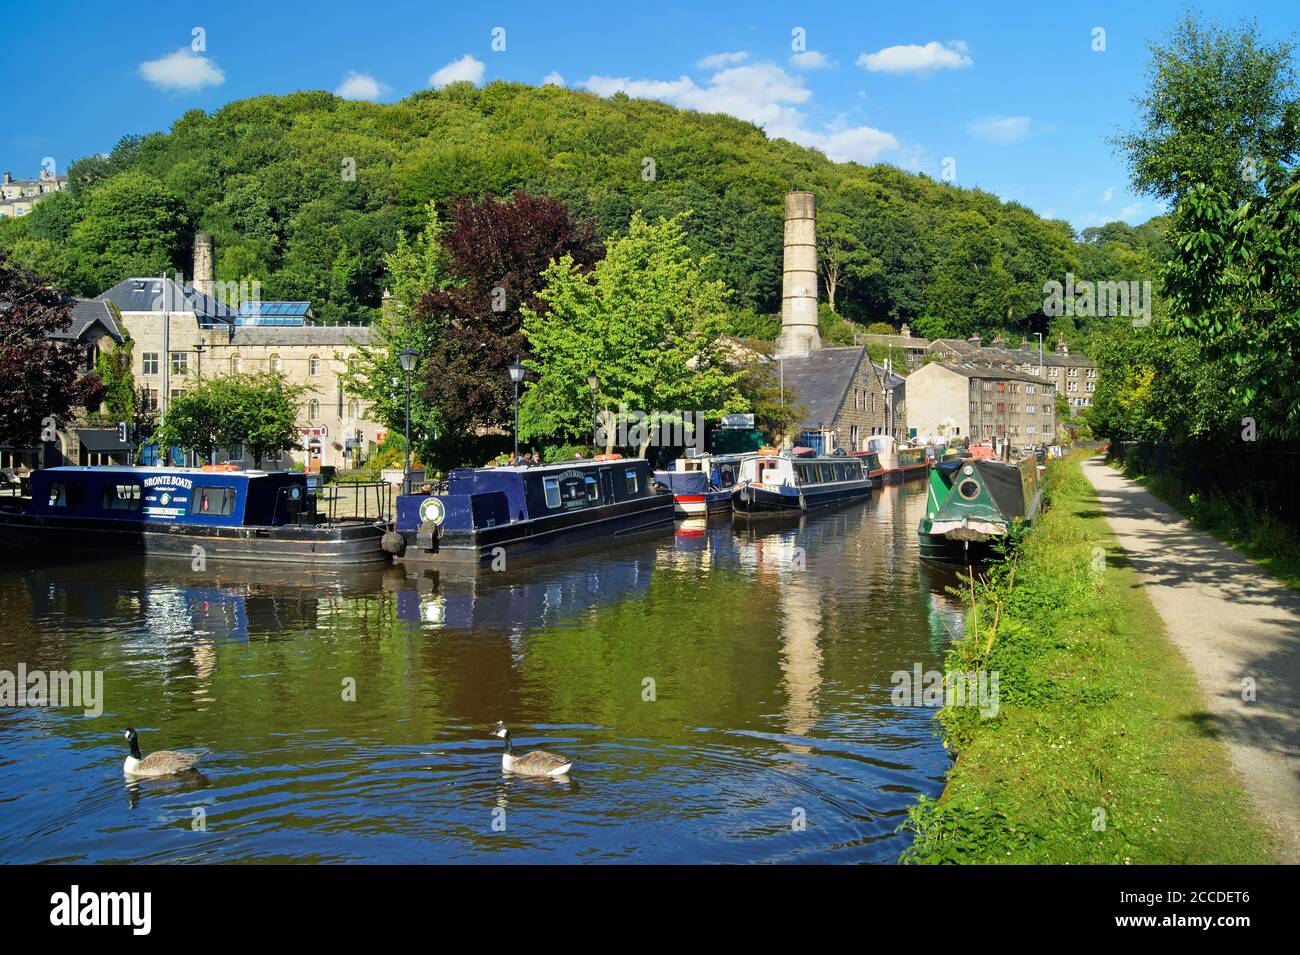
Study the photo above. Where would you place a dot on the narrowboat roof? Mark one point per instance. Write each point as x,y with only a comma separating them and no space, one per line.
554,466
150,469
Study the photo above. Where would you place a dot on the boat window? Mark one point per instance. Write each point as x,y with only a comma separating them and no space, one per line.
692,465
593,492
968,489
726,475
66,494
121,497
213,501
552,488
631,480
825,470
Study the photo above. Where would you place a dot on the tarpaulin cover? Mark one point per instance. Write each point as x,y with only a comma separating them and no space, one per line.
1004,485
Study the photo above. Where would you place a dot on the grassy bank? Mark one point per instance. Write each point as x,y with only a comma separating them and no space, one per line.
1097,712
1243,524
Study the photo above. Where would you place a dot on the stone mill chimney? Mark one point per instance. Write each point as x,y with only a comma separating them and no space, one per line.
799,334
204,278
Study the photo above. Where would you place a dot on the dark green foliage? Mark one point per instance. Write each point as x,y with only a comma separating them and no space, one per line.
306,193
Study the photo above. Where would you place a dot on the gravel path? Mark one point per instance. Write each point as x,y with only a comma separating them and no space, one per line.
1233,623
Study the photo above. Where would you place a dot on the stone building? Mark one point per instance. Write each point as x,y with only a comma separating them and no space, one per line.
19,196
844,398
181,334
959,401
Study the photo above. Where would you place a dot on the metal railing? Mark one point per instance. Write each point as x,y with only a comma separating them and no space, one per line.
349,502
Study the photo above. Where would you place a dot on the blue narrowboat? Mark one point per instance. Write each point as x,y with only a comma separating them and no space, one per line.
702,483
487,512
789,484
230,514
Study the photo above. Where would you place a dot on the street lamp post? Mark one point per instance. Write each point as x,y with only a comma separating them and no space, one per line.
516,376
407,357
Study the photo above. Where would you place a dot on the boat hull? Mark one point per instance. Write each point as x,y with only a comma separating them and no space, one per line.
290,544
694,505
755,501
938,549
520,538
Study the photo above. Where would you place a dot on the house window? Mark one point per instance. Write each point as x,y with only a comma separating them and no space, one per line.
180,362
149,363
149,399
121,497
213,501
176,393
313,365
236,364
353,407
313,410
274,364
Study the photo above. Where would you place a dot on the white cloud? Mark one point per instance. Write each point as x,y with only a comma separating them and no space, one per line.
811,60
553,79
911,58
360,86
466,69
719,60
1131,212
182,70
1000,129
763,94
1108,195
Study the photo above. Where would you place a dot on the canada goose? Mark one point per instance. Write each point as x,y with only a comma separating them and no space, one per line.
536,763
162,763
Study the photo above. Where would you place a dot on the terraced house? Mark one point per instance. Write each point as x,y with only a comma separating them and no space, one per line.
954,401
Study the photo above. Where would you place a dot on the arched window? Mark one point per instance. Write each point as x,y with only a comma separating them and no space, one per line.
354,408
313,410
313,365
236,364
275,364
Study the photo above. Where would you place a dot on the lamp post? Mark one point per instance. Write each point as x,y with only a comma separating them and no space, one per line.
407,357
516,376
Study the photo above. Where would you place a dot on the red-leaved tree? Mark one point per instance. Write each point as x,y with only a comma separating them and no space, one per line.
498,250
39,375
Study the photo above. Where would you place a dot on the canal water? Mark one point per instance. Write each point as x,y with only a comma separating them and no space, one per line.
723,690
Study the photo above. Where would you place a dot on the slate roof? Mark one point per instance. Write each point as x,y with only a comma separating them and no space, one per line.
155,294
85,313
968,370
820,380
301,335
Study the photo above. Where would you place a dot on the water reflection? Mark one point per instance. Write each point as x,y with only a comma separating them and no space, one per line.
709,683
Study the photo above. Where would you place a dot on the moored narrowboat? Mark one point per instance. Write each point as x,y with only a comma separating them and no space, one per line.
895,464
490,512
971,504
787,483
230,515
703,483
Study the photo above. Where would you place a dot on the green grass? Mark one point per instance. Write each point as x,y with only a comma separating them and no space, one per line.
1097,711
1245,525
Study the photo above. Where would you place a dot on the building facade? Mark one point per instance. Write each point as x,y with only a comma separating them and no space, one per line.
844,398
19,196
958,401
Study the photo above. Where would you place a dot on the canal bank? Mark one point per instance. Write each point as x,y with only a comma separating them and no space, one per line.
1103,749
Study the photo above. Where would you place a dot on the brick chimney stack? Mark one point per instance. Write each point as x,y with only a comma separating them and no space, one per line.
204,271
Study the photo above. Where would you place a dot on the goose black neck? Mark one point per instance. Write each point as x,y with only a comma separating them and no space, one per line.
509,748
135,747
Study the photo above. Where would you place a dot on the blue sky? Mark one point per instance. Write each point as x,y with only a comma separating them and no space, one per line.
1018,100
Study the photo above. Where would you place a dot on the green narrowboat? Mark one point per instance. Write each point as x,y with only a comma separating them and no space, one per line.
971,504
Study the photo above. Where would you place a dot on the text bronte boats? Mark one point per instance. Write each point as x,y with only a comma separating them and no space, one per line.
230,515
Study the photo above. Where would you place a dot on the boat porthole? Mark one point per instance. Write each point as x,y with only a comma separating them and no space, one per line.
969,490
432,511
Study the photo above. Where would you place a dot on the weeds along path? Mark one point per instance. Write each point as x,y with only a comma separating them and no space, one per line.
1237,627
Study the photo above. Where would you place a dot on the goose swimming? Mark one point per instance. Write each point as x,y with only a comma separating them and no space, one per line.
536,763
162,763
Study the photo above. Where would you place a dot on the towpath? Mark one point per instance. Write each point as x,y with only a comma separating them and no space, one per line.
1233,623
